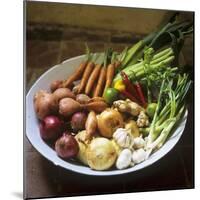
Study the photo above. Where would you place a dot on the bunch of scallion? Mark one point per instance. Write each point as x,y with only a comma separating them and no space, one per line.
170,107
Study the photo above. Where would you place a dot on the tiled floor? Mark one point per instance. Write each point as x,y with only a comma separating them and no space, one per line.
43,179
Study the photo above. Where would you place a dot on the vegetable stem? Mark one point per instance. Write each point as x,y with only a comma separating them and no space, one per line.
152,136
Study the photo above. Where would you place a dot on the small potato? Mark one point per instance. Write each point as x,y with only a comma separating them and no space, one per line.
61,93
44,104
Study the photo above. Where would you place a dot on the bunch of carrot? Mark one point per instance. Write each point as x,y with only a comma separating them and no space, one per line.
94,77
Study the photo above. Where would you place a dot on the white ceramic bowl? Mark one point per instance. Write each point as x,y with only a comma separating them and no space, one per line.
62,71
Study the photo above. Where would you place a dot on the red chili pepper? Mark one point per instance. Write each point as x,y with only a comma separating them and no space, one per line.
129,86
129,96
134,89
140,93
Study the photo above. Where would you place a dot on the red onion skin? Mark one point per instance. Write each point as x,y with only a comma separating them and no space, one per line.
66,146
51,127
78,121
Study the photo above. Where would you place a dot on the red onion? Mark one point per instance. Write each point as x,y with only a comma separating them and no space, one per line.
67,146
51,127
78,121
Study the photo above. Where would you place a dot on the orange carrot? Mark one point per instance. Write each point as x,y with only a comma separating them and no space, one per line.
101,82
85,76
93,89
92,78
76,75
109,75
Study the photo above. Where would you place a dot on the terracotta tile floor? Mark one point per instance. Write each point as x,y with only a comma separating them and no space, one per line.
43,179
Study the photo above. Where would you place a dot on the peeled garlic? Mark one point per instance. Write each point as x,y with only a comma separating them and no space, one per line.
139,143
124,159
138,156
123,138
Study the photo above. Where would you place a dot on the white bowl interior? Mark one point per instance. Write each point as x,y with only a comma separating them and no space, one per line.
62,71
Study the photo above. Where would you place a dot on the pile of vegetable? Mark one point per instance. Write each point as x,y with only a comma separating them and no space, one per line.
117,108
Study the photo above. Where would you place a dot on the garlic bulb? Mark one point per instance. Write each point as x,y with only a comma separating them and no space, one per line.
138,156
123,138
139,143
124,159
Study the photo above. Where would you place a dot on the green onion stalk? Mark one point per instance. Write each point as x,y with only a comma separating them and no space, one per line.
168,115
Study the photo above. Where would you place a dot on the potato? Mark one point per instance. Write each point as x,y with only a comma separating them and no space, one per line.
101,154
108,121
44,104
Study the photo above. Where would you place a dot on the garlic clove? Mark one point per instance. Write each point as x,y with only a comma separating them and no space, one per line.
138,156
124,159
139,142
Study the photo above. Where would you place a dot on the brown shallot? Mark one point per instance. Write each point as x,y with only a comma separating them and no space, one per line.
61,93
97,106
91,125
94,99
68,106
44,104
82,98
56,84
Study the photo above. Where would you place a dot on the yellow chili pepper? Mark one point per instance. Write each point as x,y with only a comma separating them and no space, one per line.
119,85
